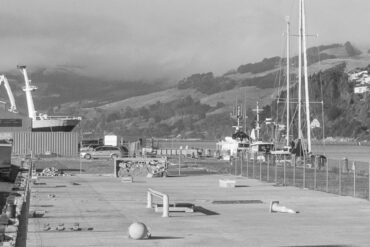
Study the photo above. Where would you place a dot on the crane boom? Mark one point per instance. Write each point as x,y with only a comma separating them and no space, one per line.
13,107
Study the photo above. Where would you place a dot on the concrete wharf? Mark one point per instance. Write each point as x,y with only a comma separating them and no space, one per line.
108,206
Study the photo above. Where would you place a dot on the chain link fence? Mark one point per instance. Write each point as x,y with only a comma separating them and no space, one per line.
343,177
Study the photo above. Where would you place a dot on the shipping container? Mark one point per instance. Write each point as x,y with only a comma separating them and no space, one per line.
46,143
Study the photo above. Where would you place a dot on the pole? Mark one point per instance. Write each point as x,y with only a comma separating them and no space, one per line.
241,162
327,175
268,168
235,163
284,171
368,176
300,72
315,174
308,124
81,165
304,172
81,137
354,178
293,163
275,169
287,80
260,170
340,178
180,163
247,163
254,161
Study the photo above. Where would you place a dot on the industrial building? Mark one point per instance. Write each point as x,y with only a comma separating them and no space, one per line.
18,129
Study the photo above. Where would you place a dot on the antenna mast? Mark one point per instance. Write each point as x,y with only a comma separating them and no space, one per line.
257,110
308,123
287,80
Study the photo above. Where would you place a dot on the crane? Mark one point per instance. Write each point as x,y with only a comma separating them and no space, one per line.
13,107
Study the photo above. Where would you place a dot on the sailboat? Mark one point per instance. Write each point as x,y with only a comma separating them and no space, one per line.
43,122
301,145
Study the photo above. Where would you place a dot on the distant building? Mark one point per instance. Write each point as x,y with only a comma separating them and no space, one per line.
357,75
364,80
361,89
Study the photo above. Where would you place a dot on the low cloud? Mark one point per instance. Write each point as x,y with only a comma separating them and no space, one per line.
162,39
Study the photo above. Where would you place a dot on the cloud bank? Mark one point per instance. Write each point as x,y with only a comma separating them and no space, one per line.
164,39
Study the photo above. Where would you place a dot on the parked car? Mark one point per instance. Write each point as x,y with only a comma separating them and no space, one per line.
89,147
104,152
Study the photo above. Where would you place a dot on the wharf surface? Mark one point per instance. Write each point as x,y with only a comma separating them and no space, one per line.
109,206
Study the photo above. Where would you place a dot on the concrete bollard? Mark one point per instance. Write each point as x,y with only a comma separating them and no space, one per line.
276,208
138,230
149,200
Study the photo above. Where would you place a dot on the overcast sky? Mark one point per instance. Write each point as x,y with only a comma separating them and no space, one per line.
165,39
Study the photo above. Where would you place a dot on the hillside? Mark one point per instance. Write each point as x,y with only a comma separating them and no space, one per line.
200,104
160,114
62,90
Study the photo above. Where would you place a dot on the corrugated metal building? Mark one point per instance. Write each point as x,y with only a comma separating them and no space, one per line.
19,129
59,143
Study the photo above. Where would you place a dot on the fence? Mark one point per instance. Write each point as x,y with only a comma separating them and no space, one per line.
343,177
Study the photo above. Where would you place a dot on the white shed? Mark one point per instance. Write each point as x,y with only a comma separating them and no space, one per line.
110,140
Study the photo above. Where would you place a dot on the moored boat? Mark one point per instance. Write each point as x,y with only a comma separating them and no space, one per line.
43,122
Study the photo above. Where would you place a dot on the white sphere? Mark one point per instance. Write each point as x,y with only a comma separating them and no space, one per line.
137,230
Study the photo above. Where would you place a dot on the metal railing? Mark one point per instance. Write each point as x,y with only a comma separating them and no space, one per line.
342,177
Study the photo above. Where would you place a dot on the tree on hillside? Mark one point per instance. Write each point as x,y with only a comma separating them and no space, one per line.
351,50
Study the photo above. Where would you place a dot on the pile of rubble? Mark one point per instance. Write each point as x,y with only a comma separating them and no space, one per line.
51,172
11,212
139,167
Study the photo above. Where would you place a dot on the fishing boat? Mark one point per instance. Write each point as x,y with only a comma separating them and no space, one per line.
41,121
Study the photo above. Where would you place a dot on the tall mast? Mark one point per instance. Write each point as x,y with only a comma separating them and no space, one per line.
28,89
287,80
300,72
308,122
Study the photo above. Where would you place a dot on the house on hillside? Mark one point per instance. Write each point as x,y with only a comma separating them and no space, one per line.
360,89
357,75
364,80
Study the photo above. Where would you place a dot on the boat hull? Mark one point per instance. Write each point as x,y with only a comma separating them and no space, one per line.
51,125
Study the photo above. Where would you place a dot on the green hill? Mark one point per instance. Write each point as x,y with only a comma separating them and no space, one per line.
200,105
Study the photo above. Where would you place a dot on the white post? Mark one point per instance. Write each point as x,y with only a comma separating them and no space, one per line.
149,200
165,206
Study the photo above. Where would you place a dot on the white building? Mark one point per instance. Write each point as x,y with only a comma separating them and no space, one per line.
364,80
361,89
358,75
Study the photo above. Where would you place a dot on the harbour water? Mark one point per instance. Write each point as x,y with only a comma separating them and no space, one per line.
338,152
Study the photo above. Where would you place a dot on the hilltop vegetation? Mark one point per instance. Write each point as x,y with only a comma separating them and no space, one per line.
345,114
184,117
199,105
187,117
